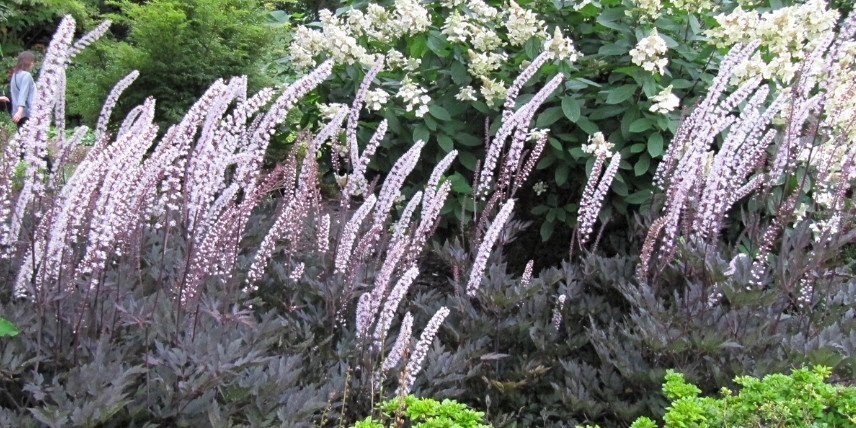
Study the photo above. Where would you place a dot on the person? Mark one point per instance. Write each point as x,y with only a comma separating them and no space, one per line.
22,87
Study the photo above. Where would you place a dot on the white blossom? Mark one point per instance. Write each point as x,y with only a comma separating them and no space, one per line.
597,145
375,99
414,97
665,101
467,93
649,53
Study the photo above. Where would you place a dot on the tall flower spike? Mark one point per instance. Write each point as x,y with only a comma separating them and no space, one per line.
89,38
392,185
101,128
391,305
349,234
402,342
420,351
589,208
486,246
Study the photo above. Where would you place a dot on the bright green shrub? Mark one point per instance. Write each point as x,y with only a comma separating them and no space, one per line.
425,413
7,328
796,400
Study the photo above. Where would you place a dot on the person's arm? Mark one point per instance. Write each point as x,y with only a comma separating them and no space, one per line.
25,89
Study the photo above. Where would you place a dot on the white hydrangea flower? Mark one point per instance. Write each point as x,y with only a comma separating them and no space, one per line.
649,52
648,10
451,4
378,22
467,93
414,97
395,59
536,134
329,111
694,6
456,28
484,39
522,24
665,101
411,64
410,18
494,92
786,34
539,188
561,48
375,99
357,22
343,48
307,44
483,11
598,145
302,58
481,64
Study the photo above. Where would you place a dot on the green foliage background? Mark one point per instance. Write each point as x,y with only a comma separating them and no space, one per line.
179,47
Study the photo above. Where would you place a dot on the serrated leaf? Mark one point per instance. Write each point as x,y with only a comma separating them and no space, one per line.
493,356
460,185
468,140
586,125
613,49
637,148
546,231
437,43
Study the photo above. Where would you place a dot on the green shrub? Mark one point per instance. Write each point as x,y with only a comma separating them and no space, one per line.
179,48
7,328
797,400
425,413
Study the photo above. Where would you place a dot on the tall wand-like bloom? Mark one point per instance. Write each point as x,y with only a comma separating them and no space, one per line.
421,349
487,245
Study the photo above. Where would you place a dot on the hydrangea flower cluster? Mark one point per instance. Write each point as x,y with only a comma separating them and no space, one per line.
598,145
648,10
414,97
665,101
649,53
786,33
560,47
485,30
522,25
375,99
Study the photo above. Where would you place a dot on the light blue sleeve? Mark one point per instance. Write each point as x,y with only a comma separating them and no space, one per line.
26,89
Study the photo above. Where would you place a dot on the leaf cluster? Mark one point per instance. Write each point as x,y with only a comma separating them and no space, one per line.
796,400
